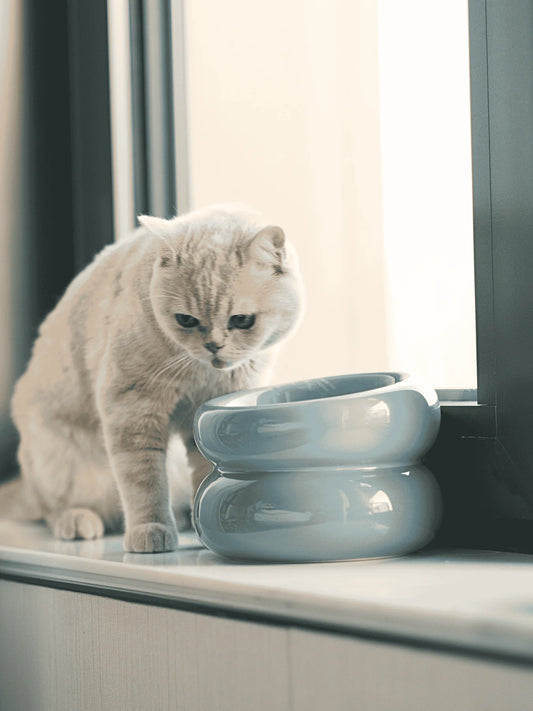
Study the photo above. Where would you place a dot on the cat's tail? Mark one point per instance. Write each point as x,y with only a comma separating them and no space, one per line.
17,502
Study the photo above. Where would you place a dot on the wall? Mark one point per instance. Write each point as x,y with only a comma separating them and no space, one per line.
274,123
348,124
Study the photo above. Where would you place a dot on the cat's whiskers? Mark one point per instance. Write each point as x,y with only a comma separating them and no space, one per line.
179,374
167,366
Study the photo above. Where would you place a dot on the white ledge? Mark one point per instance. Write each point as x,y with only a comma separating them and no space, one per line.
476,601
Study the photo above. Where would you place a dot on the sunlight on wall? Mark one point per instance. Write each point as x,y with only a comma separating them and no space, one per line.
347,123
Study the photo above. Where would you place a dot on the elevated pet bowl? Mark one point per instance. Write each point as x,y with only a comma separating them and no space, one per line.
318,470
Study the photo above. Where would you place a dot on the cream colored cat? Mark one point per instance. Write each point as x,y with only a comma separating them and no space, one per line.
188,309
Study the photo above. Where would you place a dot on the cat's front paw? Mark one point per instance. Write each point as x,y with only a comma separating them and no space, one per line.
151,538
78,523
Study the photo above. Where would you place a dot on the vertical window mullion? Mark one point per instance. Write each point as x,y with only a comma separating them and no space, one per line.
482,200
179,95
159,124
138,103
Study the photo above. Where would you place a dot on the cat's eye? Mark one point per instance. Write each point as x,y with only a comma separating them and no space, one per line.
242,321
187,321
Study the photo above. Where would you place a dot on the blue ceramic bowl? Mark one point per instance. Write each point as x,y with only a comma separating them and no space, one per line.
325,469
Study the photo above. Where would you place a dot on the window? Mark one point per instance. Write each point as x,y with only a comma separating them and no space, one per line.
144,137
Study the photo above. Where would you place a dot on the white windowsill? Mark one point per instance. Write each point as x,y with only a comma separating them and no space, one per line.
478,601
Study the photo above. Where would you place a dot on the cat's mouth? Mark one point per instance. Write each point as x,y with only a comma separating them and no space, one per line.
220,364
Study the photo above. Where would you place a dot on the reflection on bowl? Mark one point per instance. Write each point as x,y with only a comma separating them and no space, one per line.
325,469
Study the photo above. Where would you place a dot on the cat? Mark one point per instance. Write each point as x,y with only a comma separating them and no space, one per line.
184,310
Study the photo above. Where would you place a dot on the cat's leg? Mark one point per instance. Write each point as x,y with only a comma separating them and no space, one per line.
66,470
179,482
187,469
200,466
136,435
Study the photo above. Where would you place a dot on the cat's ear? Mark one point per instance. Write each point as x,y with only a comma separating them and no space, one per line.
268,246
164,229
156,225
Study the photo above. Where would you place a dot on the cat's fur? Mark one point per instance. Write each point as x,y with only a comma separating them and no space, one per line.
113,376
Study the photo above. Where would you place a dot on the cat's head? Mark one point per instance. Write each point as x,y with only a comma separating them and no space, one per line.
223,287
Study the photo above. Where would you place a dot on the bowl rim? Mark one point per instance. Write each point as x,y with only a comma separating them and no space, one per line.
403,381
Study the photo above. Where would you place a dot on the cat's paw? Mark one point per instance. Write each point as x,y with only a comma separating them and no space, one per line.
78,523
151,538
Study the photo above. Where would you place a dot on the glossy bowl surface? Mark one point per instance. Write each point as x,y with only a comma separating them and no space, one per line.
318,470
365,419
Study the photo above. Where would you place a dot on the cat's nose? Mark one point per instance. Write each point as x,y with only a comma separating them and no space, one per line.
212,346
